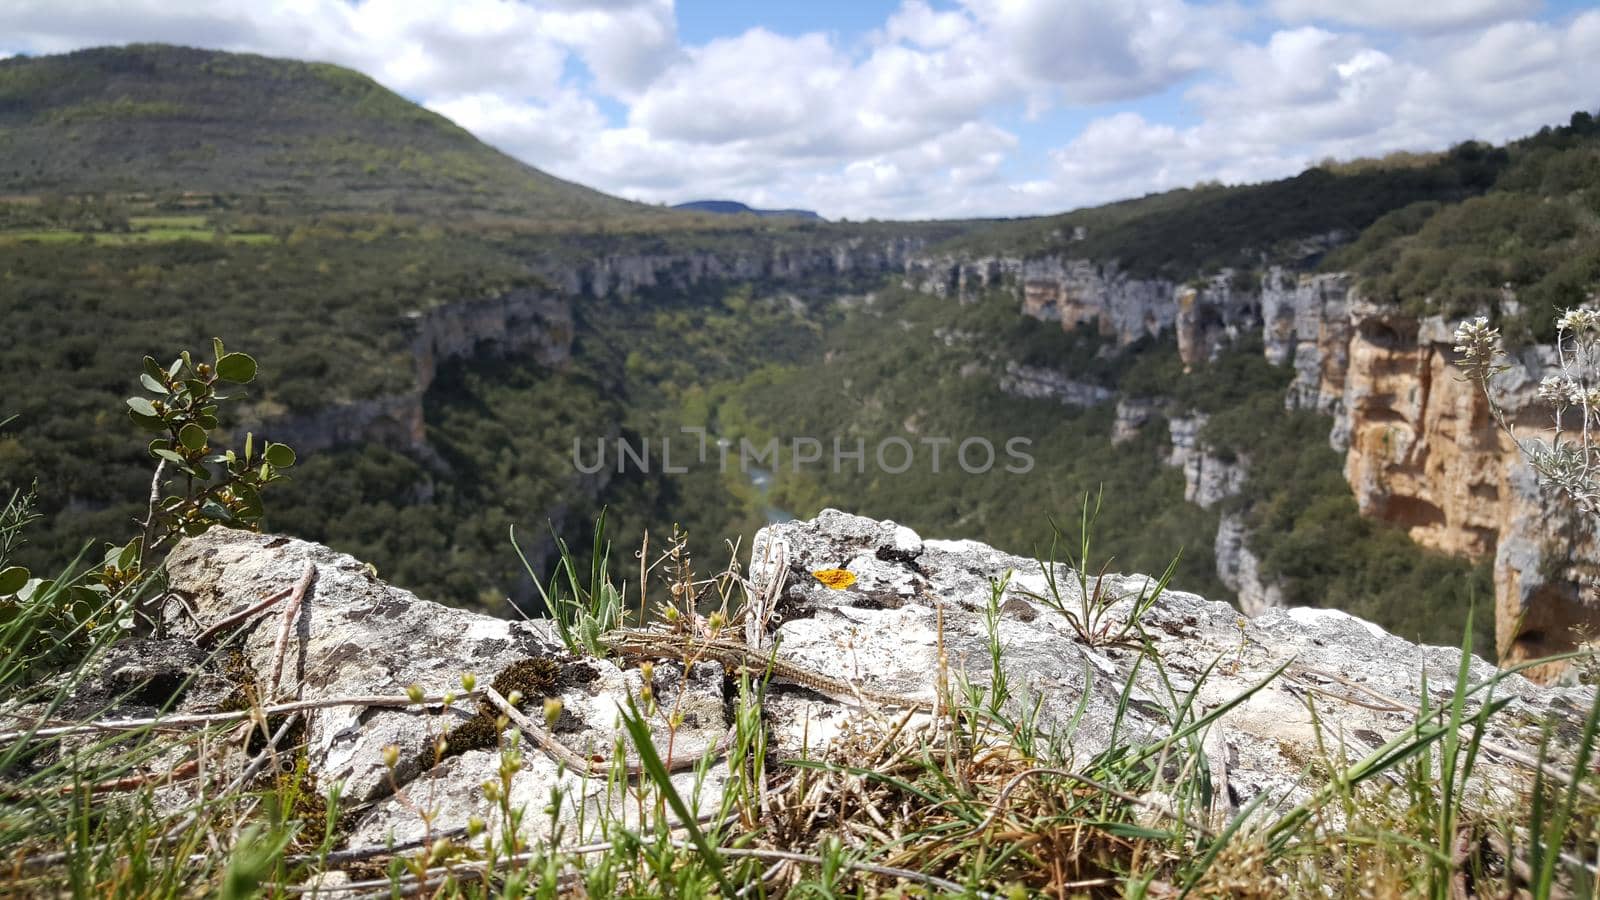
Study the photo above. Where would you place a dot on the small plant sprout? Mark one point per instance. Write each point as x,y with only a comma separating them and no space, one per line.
1089,611
582,608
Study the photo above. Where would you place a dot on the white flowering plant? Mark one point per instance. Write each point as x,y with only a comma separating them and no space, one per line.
1570,461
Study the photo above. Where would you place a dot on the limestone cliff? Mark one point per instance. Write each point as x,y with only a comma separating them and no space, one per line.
1425,453
1208,476
538,322
607,275
1304,320
1421,448
1240,569
529,321
1039,383
1056,289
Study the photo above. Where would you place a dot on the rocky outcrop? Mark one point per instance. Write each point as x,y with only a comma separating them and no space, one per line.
1131,416
358,637
626,274
1304,320
1213,313
1053,289
1240,570
1208,476
528,322
1426,453
918,614
525,321
1035,383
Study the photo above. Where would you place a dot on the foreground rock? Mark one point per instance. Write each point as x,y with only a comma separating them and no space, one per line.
356,636
917,613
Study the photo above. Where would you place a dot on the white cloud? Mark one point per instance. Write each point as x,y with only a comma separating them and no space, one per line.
1427,16
1307,94
919,117
753,86
918,24
625,43
1101,50
554,131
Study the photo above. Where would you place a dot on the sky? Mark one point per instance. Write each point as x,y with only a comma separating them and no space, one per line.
913,108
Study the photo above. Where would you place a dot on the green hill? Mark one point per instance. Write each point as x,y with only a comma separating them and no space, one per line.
1536,232
1181,232
291,136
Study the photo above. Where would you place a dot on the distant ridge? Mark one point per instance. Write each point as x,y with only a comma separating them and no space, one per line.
310,136
734,208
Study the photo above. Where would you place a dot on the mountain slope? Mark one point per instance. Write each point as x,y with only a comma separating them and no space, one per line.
735,208
308,136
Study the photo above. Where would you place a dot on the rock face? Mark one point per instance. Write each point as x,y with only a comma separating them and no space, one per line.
1052,289
1424,452
1213,313
1421,448
1038,383
1240,570
1132,414
528,322
917,613
357,636
606,275
1208,478
1304,318
886,630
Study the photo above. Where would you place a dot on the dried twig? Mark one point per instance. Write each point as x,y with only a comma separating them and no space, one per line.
217,718
227,622
573,760
281,647
148,526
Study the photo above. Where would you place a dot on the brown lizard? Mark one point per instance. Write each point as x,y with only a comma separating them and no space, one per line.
736,655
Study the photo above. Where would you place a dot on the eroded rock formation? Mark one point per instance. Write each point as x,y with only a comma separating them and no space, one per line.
1240,570
1421,448
1053,289
1039,383
605,275
1305,319
916,615
1209,477
527,322
1425,453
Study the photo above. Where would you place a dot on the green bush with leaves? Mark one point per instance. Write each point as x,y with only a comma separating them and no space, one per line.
213,486
196,486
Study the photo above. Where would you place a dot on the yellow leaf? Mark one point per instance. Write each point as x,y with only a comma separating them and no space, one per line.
838,579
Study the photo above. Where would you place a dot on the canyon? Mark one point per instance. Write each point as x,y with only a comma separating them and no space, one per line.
538,322
1422,448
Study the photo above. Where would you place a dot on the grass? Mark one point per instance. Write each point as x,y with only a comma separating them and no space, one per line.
141,223
982,802
151,235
